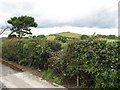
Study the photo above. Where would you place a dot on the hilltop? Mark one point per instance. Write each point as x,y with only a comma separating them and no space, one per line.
65,34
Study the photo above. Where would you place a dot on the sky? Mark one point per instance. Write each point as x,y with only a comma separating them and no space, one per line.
55,16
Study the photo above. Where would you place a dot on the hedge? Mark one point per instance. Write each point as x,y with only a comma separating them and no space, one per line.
31,52
94,63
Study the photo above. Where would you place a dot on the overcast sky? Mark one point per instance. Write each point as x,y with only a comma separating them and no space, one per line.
54,16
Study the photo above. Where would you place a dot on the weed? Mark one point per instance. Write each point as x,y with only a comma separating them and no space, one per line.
57,80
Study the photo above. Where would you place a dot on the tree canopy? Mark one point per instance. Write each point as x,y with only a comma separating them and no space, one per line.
21,25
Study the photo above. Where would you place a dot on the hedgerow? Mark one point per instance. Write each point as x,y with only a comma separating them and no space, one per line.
94,62
89,63
31,52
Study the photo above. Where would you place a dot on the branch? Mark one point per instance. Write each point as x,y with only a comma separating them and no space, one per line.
3,29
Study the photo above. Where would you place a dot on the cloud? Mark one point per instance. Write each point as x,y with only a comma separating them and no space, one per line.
80,30
59,13
102,18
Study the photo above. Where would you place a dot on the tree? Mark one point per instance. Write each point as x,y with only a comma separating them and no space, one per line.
21,25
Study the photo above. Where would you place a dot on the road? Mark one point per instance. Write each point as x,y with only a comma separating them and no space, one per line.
13,79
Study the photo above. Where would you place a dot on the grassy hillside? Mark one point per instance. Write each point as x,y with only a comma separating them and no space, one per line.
74,36
70,34
50,37
66,34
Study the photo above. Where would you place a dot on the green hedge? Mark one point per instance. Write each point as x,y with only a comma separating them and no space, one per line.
95,62
31,52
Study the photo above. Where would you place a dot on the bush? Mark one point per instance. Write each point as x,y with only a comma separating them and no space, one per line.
111,37
41,36
61,38
49,75
84,37
54,45
90,60
95,62
27,52
57,80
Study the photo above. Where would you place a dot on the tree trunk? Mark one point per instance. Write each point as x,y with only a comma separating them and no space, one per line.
77,80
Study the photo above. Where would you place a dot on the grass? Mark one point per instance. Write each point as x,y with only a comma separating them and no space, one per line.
57,80
66,34
109,40
69,34
49,75
50,37
73,35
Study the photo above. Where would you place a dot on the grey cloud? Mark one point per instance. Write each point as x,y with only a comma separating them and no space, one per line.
14,7
102,19
11,9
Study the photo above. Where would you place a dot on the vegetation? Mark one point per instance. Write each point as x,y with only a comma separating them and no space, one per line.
90,62
61,38
93,62
69,34
84,37
20,25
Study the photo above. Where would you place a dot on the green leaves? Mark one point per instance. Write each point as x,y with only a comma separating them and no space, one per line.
61,38
96,62
95,59
21,25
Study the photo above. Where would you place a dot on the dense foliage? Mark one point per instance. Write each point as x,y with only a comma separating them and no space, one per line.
84,37
106,36
31,52
61,38
95,62
21,25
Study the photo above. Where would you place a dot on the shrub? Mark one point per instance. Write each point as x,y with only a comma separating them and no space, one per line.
57,80
61,38
111,37
27,52
34,36
94,62
49,75
41,36
54,45
90,60
84,37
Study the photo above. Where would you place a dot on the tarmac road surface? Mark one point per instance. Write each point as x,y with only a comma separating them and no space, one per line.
12,79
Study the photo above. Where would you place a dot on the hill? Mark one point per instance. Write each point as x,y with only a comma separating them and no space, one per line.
65,34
